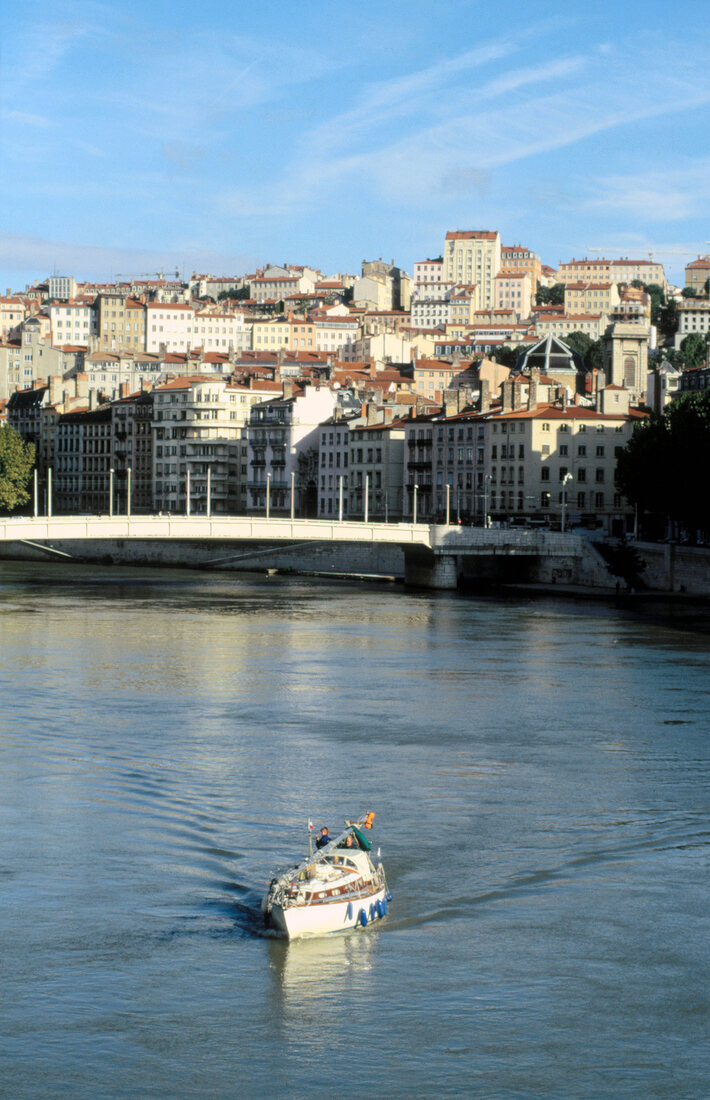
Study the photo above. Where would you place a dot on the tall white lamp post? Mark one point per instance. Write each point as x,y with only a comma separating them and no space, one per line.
565,481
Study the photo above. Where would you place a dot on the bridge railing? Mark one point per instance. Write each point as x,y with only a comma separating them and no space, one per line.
43,528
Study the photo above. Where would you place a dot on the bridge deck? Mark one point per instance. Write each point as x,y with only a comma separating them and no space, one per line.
438,539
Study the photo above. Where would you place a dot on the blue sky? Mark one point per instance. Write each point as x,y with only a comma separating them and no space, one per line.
136,137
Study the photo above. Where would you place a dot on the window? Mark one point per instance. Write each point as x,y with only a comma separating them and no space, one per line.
581,450
563,450
599,500
563,472
600,452
582,474
599,474
545,473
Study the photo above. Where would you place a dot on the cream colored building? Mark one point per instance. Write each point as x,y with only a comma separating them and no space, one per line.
516,258
199,427
72,322
121,323
697,273
514,291
590,298
543,459
693,316
561,325
12,313
473,256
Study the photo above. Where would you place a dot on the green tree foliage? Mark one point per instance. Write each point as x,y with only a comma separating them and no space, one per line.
16,463
509,354
590,350
237,295
689,292
623,560
550,295
663,466
693,349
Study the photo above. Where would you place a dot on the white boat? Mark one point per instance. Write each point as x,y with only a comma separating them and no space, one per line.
333,889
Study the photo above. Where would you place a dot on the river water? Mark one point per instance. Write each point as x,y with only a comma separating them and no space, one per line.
539,770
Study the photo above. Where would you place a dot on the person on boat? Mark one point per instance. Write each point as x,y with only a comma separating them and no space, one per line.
323,839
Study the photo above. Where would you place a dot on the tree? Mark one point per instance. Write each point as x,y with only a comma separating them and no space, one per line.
661,468
550,295
623,560
302,304
508,354
579,342
17,460
689,292
693,349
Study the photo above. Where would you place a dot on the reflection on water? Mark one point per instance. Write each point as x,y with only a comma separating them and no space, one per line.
540,773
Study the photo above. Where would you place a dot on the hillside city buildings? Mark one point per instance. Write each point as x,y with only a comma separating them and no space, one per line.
448,393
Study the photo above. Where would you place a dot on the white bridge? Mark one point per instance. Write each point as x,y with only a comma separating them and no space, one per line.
433,554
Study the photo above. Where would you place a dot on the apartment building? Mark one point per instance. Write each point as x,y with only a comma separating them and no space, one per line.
547,460
693,316
12,312
121,323
513,291
199,445
376,468
334,465
72,322
583,298
473,256
516,258
132,451
82,477
283,437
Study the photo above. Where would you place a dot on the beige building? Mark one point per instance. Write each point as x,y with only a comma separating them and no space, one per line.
543,460
516,258
198,431
590,298
376,470
514,291
697,273
12,313
693,316
561,325
121,323
473,256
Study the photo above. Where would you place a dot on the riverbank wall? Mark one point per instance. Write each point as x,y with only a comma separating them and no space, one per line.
669,568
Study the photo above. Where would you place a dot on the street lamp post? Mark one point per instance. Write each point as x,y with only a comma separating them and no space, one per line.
187,491
128,491
268,493
565,481
367,497
36,493
49,491
293,495
110,492
486,487
414,506
340,499
448,504
209,491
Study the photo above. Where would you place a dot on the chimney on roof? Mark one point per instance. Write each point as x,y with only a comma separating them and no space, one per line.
532,389
507,390
123,389
92,399
485,401
288,388
564,398
55,390
81,385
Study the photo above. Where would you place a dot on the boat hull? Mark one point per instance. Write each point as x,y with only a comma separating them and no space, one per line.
321,918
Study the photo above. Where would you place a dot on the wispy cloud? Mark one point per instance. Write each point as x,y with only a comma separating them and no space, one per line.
20,252
660,195
438,131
